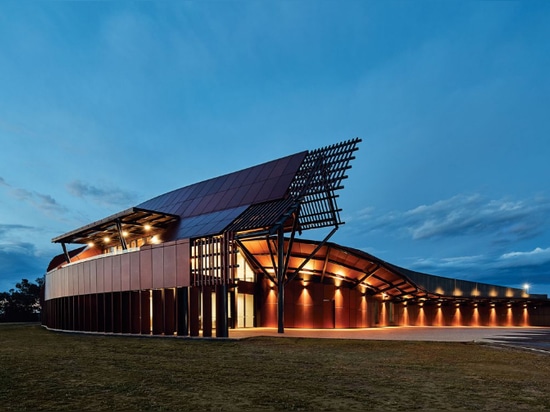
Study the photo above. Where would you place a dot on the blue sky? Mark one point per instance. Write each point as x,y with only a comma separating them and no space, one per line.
105,104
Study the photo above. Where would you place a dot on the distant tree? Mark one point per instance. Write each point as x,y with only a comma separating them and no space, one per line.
22,304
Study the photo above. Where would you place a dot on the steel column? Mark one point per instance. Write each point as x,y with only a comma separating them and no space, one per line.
280,281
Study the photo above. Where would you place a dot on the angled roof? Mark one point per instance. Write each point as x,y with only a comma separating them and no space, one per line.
207,207
252,199
203,208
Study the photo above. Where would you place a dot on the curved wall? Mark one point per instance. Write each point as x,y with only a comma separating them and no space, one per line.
152,267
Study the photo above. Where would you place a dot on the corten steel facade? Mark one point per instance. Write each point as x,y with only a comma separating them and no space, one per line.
226,253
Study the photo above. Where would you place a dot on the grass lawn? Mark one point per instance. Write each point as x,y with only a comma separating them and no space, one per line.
43,370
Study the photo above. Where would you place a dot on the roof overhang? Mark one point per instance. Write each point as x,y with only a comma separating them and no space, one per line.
133,220
357,269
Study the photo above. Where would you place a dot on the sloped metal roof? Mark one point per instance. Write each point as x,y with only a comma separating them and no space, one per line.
209,207
262,183
254,198
203,208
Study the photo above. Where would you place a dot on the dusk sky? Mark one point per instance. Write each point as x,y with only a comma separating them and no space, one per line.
106,104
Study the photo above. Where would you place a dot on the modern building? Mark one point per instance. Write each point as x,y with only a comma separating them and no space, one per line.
228,253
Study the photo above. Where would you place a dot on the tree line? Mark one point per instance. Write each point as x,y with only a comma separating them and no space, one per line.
22,304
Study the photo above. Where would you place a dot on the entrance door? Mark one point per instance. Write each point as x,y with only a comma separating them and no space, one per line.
245,310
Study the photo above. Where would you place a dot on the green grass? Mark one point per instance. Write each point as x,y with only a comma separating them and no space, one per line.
43,370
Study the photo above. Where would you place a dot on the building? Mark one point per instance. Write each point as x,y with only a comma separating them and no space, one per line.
228,253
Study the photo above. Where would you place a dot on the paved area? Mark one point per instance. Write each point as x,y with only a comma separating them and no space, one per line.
532,338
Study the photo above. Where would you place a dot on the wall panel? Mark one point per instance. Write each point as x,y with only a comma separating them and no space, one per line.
183,271
108,274
134,271
146,272
169,269
80,275
87,275
93,276
100,276
116,273
125,271
158,267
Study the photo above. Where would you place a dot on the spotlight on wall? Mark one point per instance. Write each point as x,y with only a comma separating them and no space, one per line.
106,239
90,244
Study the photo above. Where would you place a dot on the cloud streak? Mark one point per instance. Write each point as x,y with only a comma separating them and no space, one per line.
508,269
104,196
466,215
43,202
5,228
506,237
535,257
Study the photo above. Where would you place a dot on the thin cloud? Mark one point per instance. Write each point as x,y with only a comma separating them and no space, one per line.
5,228
43,202
109,196
509,269
467,215
535,257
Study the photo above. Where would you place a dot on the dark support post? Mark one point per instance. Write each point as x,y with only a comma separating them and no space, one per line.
280,281
194,310
183,311
233,306
222,328
121,235
207,311
67,256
